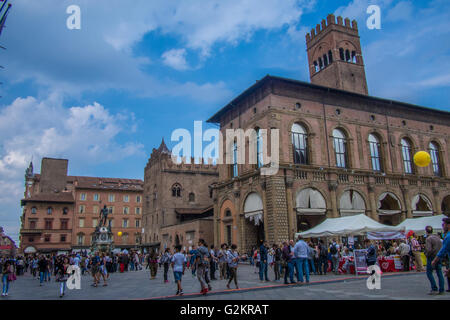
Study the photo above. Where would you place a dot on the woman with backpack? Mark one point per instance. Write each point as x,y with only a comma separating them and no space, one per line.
7,277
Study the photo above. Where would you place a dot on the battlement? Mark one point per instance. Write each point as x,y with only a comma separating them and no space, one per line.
330,21
207,165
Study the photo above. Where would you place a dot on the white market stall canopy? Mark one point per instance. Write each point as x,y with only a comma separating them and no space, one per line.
418,224
347,226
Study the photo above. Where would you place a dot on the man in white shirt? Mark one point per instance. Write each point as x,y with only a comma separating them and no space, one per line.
178,265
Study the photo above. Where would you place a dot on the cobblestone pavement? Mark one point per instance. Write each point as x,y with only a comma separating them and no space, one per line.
137,285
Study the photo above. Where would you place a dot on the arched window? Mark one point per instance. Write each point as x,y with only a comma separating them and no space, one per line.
299,144
33,210
320,64
259,148
191,197
375,152
325,60
49,210
341,54
407,156
353,56
340,148
330,57
235,160
434,152
176,190
316,66
347,55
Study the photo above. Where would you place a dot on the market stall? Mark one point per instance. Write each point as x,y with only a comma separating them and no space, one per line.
358,225
347,226
418,224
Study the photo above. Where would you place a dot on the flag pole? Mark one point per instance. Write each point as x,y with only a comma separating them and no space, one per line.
4,3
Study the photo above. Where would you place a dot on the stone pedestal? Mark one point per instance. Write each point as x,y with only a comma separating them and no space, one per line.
103,240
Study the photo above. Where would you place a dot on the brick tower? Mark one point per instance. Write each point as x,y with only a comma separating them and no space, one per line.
335,57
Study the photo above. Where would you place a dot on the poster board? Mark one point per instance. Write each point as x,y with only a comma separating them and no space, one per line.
351,240
360,261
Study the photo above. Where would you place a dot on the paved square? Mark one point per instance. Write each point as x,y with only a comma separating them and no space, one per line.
137,285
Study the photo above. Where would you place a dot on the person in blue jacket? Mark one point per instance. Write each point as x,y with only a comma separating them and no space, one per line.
445,250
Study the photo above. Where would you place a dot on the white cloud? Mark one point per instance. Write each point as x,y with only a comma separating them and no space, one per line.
100,55
402,11
357,9
32,128
176,59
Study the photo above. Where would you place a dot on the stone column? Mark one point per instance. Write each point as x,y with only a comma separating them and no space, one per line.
332,187
372,203
292,222
436,205
216,222
407,202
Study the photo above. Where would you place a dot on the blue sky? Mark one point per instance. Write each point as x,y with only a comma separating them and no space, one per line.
104,96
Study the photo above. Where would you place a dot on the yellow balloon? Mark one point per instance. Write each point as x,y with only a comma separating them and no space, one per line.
119,233
422,159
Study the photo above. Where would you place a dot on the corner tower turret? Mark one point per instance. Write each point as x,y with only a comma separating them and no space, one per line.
335,56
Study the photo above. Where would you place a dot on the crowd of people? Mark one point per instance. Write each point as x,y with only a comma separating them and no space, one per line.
299,258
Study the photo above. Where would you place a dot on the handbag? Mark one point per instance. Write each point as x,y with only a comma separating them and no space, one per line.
11,277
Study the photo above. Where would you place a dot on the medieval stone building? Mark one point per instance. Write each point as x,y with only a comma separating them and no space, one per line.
342,151
178,204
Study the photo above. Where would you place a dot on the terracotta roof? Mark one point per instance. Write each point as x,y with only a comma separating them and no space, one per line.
64,197
193,210
104,183
109,183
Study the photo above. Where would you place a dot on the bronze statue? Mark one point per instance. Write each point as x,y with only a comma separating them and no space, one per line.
103,216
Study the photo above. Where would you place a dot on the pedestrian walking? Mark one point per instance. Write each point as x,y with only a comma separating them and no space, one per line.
202,261
334,251
153,261
8,276
222,256
371,255
288,266
166,260
178,265
416,249
233,261
444,252
301,249
263,262
323,258
43,269
62,275
276,261
403,250
432,246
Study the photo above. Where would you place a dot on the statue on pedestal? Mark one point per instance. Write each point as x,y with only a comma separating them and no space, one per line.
103,217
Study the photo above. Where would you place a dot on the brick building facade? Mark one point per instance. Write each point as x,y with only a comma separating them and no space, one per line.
178,204
60,212
342,152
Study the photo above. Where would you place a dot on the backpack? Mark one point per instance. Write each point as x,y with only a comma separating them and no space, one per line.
333,249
